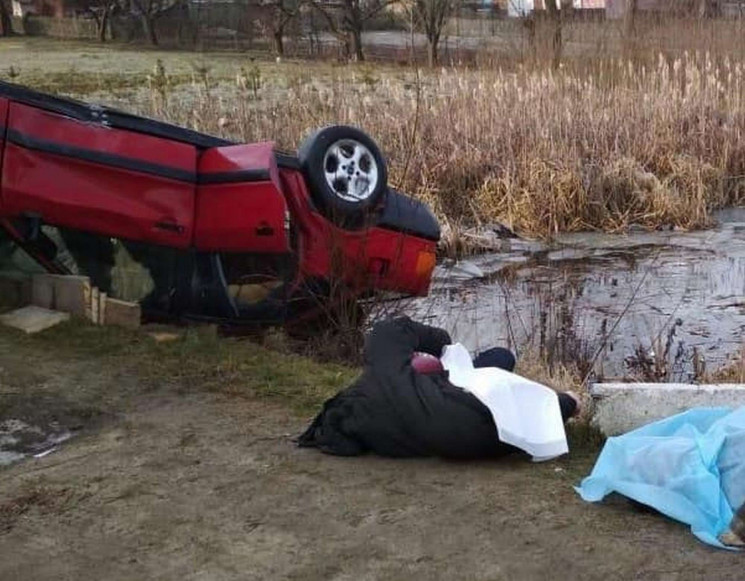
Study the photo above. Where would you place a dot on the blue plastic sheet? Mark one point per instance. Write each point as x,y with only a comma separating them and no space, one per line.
690,467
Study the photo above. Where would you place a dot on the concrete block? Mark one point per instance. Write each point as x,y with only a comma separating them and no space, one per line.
15,290
622,407
72,294
66,293
42,290
24,291
122,313
33,319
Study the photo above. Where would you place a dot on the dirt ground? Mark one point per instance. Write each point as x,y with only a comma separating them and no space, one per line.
167,480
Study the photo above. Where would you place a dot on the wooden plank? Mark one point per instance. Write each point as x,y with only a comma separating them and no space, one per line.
122,313
102,308
93,309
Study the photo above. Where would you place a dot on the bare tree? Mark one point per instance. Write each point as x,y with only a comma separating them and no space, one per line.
544,26
101,11
554,16
147,10
558,11
276,16
629,26
431,16
348,23
6,22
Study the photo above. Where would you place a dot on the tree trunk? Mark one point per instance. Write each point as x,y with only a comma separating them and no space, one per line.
556,37
345,51
629,28
529,25
629,25
103,24
194,24
433,44
279,43
148,24
431,53
558,44
6,22
356,40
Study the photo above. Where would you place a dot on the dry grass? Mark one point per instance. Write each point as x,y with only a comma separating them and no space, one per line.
198,360
558,376
606,141
542,151
732,373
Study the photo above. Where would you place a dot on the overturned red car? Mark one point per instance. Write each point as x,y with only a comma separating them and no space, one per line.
235,232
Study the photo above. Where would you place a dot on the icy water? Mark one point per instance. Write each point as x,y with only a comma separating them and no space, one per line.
671,296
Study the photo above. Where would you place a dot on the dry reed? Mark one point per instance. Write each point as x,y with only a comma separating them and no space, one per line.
542,151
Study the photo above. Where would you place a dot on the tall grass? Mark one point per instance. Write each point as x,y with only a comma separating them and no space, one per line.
584,147
734,372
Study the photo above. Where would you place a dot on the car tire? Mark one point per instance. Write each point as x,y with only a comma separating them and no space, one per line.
346,173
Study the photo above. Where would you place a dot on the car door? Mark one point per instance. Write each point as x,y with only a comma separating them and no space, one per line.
91,177
240,205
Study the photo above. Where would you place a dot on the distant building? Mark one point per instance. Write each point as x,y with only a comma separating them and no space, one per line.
518,8
617,8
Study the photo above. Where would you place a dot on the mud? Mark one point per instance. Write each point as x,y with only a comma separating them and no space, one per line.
163,482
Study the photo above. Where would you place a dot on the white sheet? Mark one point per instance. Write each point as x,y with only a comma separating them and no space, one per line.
527,414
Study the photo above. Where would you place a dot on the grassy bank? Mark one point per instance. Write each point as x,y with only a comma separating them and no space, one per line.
196,361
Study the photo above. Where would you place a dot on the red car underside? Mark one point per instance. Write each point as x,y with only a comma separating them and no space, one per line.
119,183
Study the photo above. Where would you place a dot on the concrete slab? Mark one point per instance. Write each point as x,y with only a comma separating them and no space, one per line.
33,319
622,407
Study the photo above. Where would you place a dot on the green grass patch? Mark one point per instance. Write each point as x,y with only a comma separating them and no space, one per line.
197,361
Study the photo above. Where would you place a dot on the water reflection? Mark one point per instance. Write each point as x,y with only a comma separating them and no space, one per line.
683,293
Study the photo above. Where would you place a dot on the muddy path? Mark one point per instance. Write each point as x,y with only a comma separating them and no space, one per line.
163,482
